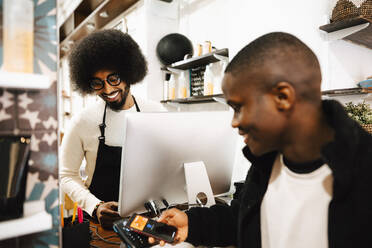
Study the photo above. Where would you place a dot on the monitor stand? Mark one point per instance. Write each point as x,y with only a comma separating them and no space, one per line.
198,186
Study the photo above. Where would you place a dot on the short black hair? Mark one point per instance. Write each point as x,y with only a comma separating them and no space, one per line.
108,49
279,57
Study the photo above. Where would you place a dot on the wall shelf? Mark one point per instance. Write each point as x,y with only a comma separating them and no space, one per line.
347,91
90,15
220,97
198,61
35,219
15,80
362,37
197,99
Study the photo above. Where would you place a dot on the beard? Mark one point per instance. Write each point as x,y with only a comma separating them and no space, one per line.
118,105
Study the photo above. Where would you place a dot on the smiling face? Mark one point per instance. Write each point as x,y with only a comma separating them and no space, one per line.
256,114
114,96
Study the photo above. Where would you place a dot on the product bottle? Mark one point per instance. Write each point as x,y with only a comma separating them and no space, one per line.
207,48
172,88
18,32
218,81
166,87
208,81
182,86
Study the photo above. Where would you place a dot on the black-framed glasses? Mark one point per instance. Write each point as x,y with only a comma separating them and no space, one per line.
113,79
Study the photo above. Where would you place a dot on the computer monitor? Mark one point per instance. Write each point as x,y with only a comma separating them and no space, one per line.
157,144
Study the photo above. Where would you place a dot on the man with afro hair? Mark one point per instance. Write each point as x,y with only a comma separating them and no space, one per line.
105,63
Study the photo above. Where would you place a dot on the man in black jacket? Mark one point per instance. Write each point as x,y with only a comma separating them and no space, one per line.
309,184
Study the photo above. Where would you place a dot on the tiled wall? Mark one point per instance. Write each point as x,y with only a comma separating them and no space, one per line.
35,113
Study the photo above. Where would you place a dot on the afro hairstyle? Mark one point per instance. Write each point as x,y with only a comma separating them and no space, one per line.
108,49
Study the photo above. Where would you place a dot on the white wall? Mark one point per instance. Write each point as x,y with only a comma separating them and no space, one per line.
348,64
235,23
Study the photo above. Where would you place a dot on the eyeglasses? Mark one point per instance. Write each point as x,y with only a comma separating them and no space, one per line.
112,79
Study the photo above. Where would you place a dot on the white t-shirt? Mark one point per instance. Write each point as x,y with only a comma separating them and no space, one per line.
294,211
81,141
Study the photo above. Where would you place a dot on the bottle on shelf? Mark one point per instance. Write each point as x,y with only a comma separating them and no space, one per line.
18,33
208,81
182,85
207,47
172,88
217,89
166,87
199,50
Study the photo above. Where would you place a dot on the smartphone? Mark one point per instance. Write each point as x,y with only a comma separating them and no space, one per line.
130,238
151,228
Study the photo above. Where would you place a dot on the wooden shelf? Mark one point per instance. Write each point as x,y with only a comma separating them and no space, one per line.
362,37
16,80
198,61
82,22
197,99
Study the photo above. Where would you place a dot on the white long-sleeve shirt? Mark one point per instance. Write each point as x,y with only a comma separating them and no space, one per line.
81,141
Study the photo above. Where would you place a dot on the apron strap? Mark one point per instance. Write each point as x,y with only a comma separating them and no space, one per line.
135,103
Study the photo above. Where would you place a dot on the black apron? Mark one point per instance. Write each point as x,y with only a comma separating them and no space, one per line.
106,177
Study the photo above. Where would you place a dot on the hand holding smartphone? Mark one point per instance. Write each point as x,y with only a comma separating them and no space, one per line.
151,228
130,238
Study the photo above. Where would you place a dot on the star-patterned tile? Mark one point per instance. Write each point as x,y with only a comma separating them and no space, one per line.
44,163
31,118
38,110
50,138
7,111
24,100
43,159
35,143
47,191
49,185
50,123
7,99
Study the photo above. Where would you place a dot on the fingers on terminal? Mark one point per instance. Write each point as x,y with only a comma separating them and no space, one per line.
167,214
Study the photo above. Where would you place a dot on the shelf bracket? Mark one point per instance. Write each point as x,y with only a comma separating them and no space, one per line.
221,58
220,99
175,71
174,105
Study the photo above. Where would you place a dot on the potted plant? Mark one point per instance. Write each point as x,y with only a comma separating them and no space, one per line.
362,113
